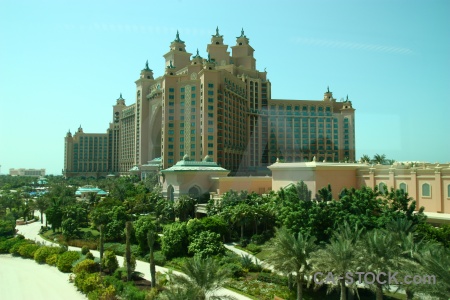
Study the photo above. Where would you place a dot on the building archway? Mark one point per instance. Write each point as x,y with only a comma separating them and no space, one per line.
170,193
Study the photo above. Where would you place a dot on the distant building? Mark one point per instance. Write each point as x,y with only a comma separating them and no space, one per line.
220,106
27,172
428,184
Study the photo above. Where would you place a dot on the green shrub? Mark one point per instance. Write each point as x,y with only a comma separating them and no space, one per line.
90,256
175,240
273,278
103,293
52,259
159,257
253,248
42,253
7,228
235,269
66,260
87,265
28,250
206,244
88,282
110,261
84,250
14,250
6,245
132,292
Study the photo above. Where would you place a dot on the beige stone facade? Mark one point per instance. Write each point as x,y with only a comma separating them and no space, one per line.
221,106
27,172
428,184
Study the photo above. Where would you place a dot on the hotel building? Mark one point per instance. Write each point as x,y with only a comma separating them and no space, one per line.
219,106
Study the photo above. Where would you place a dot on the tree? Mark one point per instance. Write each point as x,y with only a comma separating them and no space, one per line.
128,228
206,244
380,252
290,254
339,256
151,239
366,158
202,279
54,214
142,226
436,260
184,208
379,158
175,240
42,203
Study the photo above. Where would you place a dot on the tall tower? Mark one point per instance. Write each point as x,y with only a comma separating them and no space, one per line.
217,50
243,53
177,57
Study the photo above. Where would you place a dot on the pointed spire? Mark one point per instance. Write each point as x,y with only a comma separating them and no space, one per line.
177,38
147,68
328,89
346,99
242,32
197,52
217,30
121,96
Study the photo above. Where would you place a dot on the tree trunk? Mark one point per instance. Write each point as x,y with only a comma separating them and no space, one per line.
151,236
100,228
42,216
351,294
242,232
409,294
128,250
379,291
299,287
343,289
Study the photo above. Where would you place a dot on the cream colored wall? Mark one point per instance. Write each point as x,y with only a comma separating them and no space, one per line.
338,179
284,177
250,184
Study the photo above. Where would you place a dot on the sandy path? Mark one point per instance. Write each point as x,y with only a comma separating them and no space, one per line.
25,279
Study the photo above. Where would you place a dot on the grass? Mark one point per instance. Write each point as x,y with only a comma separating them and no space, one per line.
263,254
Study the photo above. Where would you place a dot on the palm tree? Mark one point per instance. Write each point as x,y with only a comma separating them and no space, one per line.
201,279
340,255
435,260
379,158
380,252
365,158
290,254
42,203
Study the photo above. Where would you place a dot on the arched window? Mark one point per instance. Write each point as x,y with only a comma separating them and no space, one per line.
426,190
170,193
382,187
194,192
404,187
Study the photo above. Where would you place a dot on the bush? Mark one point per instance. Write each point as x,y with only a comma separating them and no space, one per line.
84,250
52,259
235,269
273,278
103,293
258,239
7,228
42,253
6,245
110,261
87,265
132,292
253,248
160,259
175,240
206,244
88,282
14,250
28,250
90,256
66,260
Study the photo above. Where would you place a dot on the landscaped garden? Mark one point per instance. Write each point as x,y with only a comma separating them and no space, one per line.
293,232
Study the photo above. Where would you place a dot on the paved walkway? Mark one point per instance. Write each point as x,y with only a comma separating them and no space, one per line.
31,231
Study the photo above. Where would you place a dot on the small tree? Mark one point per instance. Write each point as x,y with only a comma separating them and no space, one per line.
109,261
151,238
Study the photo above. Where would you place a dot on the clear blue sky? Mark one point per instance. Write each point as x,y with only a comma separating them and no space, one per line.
64,63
